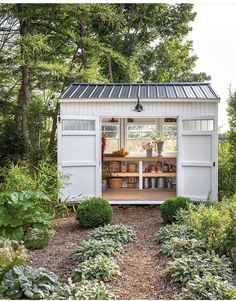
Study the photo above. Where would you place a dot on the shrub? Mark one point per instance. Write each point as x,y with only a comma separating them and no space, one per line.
38,238
24,282
11,253
84,290
101,268
175,230
18,212
216,224
94,212
119,233
171,206
185,268
91,248
176,247
208,288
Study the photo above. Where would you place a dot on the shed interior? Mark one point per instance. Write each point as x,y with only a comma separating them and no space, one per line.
129,171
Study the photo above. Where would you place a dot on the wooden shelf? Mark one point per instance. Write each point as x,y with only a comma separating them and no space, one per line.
125,174
144,174
146,159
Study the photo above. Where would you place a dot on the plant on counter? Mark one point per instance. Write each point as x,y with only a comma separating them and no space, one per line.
101,268
119,233
175,230
18,213
11,253
207,288
37,238
94,212
147,145
84,290
177,247
24,282
185,268
171,206
91,248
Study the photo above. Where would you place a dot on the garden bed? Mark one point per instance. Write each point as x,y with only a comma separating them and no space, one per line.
142,265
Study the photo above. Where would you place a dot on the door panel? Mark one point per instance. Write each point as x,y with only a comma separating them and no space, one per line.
79,156
197,148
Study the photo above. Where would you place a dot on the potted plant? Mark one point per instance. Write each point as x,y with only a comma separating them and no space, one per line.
105,176
148,146
159,138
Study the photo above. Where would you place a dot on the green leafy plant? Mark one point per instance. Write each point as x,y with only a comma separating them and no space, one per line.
11,253
119,233
91,248
207,288
84,290
38,238
24,282
171,206
176,247
94,212
18,213
185,268
101,268
175,230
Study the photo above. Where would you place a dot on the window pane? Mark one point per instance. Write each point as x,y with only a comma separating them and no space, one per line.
198,125
78,125
170,144
112,137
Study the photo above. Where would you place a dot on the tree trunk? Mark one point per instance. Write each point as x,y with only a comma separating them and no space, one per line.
24,93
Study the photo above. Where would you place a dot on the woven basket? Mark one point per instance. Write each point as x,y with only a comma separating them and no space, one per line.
114,166
115,182
132,182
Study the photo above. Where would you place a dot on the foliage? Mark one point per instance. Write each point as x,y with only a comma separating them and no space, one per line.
11,253
105,174
100,267
185,268
207,288
215,224
171,206
119,233
24,282
91,248
176,247
84,290
168,232
19,213
94,212
38,238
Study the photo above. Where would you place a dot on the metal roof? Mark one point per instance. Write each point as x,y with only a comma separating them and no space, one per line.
145,91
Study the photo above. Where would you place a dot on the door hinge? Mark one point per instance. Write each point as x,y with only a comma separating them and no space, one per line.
214,164
59,119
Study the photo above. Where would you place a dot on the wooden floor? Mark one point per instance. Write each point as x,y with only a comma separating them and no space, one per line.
137,194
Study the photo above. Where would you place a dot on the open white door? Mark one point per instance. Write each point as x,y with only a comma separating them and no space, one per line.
197,158
79,156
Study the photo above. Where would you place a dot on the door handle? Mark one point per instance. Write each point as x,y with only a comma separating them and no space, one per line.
214,164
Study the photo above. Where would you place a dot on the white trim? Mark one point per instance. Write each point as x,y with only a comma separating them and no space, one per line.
134,100
78,133
77,163
140,175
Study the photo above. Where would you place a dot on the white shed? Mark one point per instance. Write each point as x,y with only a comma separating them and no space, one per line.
129,114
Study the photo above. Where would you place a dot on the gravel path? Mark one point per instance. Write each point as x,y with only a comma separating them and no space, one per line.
142,265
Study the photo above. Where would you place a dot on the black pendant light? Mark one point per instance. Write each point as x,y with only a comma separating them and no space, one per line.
138,108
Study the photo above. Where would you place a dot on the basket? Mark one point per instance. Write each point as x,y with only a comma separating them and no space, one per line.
132,167
115,182
132,182
114,166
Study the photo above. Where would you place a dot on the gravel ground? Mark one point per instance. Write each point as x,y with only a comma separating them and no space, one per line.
142,265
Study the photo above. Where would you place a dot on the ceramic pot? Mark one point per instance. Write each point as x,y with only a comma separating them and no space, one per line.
149,152
160,148
104,185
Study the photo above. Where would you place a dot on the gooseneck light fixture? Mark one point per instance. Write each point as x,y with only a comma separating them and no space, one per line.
138,108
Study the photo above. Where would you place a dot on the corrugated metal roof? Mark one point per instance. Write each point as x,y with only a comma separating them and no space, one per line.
143,91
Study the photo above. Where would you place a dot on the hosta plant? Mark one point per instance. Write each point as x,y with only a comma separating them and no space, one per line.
11,253
22,282
185,268
176,247
38,238
18,212
84,290
101,268
119,233
175,230
208,288
91,248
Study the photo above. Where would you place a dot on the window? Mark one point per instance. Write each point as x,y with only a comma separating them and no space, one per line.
112,137
78,125
198,125
170,144
137,133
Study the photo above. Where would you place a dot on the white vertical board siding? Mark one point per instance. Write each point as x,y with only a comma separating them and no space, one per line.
120,109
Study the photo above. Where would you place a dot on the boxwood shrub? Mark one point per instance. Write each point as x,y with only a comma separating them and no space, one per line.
171,206
94,212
